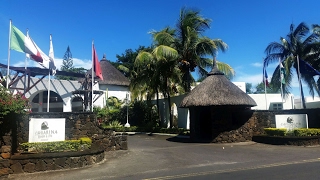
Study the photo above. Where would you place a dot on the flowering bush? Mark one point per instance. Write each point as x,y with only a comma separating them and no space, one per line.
12,103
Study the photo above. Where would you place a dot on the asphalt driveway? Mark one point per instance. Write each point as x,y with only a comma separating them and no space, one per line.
167,157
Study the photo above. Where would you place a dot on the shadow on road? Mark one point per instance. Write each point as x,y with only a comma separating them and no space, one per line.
186,139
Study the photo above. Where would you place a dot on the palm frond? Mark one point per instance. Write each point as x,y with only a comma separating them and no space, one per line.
165,53
164,37
226,69
143,59
123,68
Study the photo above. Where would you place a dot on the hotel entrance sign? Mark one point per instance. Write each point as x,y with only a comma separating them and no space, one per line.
46,129
292,121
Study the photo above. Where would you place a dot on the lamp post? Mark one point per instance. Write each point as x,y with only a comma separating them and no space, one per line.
127,102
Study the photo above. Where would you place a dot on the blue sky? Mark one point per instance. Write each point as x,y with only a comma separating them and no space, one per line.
247,26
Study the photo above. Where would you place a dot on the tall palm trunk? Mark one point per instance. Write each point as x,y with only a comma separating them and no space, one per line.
169,103
158,108
300,85
170,113
302,98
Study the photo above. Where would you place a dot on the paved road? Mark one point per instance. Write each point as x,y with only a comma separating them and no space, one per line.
163,157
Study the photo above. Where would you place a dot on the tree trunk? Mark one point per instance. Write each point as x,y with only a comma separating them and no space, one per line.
302,98
170,113
158,108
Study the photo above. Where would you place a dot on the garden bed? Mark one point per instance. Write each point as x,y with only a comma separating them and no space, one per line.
36,162
288,140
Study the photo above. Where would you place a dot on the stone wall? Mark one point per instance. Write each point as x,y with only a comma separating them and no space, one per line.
229,126
30,163
14,160
244,125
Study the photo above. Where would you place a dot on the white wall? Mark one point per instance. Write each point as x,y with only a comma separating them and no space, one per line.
108,91
65,88
310,103
264,102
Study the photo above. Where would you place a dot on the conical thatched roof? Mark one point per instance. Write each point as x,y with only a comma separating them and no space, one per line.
217,90
111,75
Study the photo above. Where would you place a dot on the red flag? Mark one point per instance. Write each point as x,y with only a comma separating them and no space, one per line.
96,65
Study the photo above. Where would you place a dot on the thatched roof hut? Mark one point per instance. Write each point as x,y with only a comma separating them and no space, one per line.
216,106
217,90
111,75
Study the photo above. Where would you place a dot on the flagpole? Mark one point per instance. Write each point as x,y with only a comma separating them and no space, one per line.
8,64
49,78
25,70
280,80
92,77
265,85
48,100
299,79
25,75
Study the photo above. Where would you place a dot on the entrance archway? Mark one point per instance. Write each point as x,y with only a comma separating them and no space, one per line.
39,102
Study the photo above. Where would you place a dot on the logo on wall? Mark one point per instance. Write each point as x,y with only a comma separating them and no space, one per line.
44,125
289,120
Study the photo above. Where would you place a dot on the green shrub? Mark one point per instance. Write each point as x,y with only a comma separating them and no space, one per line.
85,140
58,146
306,132
276,131
12,103
115,124
180,131
101,112
111,112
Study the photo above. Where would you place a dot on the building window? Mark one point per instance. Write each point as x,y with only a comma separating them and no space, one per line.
277,106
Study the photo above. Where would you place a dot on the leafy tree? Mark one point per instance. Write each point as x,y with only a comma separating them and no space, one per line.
78,70
125,62
260,89
67,65
249,88
67,62
299,43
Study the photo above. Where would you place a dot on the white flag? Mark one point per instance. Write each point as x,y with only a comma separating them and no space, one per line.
52,66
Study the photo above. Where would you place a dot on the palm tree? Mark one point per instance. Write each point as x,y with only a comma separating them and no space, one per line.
298,44
192,46
158,71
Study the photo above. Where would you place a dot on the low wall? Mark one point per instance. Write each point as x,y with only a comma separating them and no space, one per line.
240,126
30,163
14,160
284,140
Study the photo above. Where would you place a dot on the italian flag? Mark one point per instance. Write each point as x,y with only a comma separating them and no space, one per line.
20,42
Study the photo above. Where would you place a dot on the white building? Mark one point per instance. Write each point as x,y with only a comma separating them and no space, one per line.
310,103
269,101
61,97
272,101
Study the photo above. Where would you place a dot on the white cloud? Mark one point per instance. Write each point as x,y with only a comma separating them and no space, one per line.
81,63
257,64
249,78
77,63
